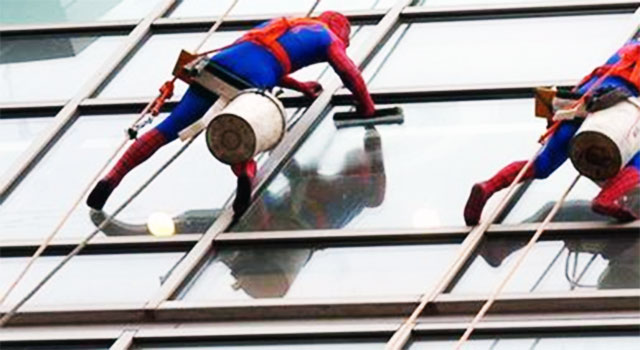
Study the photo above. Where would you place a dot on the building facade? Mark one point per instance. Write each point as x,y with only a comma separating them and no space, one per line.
350,229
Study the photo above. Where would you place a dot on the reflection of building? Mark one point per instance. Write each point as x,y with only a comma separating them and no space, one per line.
463,72
265,273
313,200
622,271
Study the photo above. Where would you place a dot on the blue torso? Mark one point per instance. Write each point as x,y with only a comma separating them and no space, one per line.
612,81
305,45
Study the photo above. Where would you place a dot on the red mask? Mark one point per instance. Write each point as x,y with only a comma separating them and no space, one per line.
338,23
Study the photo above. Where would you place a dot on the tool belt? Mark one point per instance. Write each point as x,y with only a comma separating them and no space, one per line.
557,105
199,70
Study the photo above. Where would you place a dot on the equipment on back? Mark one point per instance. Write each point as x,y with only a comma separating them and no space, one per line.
268,36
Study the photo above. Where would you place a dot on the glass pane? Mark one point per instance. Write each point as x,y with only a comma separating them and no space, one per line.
90,279
16,136
194,181
591,341
55,11
500,51
312,344
48,68
319,271
555,265
201,8
138,78
541,195
448,3
415,175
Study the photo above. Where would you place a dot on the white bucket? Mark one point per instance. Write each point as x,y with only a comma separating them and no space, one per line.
607,140
251,123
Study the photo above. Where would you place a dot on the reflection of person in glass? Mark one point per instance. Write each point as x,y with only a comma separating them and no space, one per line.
621,252
315,201
620,79
265,272
263,57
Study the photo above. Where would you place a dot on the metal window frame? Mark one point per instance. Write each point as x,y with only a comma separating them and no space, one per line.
627,299
115,245
574,303
69,113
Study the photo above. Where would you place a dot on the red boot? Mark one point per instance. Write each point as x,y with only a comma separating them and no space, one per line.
611,200
481,192
137,153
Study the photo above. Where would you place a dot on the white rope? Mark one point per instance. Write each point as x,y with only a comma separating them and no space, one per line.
400,338
84,242
84,192
523,254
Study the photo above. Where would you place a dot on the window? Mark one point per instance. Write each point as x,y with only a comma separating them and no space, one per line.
319,271
500,51
55,11
16,135
554,265
393,177
90,279
50,67
201,8
195,181
593,341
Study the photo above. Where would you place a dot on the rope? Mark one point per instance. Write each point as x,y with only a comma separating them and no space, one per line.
527,249
84,243
399,339
84,192
66,216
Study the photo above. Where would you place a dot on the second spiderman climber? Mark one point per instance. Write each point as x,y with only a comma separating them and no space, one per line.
264,60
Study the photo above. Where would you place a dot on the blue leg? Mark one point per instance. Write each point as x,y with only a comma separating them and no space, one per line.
193,105
556,151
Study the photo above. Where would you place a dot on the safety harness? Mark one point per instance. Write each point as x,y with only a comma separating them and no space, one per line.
268,36
628,67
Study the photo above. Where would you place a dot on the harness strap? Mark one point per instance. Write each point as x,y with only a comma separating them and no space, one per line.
628,67
268,36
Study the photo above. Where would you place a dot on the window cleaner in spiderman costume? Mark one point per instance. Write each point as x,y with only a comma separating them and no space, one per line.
608,92
263,57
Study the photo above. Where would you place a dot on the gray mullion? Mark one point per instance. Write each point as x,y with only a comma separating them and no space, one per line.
497,11
114,245
579,303
69,112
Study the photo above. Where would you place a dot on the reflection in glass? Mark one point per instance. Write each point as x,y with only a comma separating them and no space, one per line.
278,344
574,263
336,180
318,271
520,51
317,199
45,68
201,8
194,181
591,341
56,11
90,279
138,78
16,135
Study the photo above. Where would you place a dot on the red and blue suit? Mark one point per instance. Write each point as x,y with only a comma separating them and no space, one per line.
264,57
621,72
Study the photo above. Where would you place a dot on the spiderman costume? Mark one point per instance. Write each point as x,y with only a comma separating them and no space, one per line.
264,57
620,72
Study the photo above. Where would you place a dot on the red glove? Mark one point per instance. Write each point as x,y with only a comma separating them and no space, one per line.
309,88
